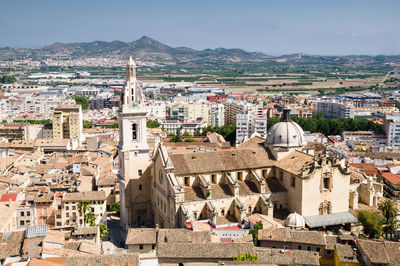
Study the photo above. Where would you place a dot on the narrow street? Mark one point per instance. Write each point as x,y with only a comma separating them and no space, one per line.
116,237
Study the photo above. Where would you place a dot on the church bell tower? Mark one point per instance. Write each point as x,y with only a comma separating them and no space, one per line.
133,150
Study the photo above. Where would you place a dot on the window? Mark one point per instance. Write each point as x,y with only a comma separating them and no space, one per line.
326,183
249,209
299,247
240,176
153,246
134,131
264,173
281,175
214,178
73,208
140,187
92,209
140,246
309,248
22,214
58,223
140,172
67,208
329,252
286,247
67,214
187,181
28,213
318,249
22,222
293,181
194,215
222,212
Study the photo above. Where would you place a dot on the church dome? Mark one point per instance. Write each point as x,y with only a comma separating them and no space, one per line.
295,220
286,133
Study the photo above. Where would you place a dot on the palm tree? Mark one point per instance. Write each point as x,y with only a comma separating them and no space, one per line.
391,228
83,208
90,219
388,209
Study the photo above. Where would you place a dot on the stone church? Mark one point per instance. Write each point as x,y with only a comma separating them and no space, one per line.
258,176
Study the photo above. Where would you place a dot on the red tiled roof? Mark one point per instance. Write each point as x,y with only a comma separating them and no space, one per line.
392,178
8,197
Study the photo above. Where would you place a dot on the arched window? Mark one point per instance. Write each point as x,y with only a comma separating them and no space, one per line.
134,131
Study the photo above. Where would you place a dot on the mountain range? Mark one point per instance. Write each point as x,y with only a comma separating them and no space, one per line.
147,49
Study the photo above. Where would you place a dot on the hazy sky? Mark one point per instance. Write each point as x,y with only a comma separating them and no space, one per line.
274,27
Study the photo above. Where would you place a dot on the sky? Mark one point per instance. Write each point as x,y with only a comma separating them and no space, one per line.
274,27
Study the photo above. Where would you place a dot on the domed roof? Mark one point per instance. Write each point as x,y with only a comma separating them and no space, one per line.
286,133
295,220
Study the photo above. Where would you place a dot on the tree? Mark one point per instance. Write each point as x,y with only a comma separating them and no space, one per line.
90,219
371,222
246,257
103,230
388,209
190,140
117,92
82,101
87,124
254,232
83,208
152,123
8,79
390,228
186,134
175,138
165,239
115,207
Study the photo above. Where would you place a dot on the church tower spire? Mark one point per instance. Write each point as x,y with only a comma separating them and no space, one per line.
131,95
133,150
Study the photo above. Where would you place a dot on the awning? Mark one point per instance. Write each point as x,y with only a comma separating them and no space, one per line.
330,219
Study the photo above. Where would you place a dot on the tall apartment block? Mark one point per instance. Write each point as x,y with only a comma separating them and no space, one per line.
67,122
392,129
248,124
333,109
217,115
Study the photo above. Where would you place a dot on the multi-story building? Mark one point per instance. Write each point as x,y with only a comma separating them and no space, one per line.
198,110
67,214
67,122
233,108
175,126
392,129
156,109
217,115
333,109
248,124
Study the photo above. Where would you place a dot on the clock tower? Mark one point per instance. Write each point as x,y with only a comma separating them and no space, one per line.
133,150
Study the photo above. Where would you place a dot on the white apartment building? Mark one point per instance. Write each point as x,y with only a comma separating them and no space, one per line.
156,109
248,124
198,110
392,129
217,115
333,109
174,126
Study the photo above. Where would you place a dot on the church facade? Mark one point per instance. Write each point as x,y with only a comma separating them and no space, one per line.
258,176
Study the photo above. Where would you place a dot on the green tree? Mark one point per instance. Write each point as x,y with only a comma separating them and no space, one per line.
388,209
90,218
254,232
117,92
8,79
190,140
87,124
175,138
115,207
246,257
152,123
82,101
84,208
186,134
371,222
103,230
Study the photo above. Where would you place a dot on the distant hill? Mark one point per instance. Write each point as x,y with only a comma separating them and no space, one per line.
149,50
